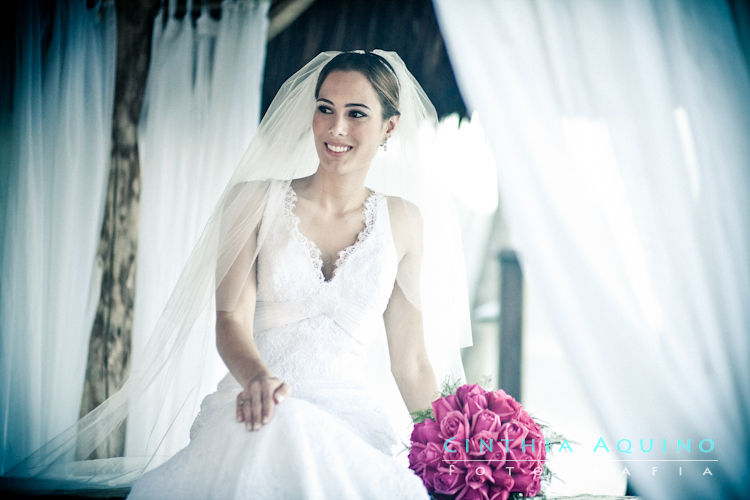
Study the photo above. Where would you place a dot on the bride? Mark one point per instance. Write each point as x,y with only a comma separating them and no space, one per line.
295,384
314,278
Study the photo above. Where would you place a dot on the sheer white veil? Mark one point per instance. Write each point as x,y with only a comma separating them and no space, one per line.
175,362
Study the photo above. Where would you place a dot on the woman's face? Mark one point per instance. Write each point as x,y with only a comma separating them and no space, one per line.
348,123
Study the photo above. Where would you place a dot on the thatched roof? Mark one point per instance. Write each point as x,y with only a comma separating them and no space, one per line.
300,29
408,27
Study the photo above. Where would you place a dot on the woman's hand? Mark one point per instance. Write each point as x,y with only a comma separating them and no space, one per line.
256,403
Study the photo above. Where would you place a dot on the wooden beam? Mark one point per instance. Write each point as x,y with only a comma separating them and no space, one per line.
284,13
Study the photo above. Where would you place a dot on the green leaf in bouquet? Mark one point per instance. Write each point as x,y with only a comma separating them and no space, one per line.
420,416
449,386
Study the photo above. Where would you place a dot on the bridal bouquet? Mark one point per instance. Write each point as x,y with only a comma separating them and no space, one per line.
479,445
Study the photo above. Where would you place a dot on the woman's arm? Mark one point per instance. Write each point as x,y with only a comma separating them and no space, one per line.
410,365
234,341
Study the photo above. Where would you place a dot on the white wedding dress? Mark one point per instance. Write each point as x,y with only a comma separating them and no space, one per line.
329,439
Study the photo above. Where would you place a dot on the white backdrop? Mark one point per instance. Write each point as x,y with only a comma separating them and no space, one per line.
57,139
621,133
201,107
200,110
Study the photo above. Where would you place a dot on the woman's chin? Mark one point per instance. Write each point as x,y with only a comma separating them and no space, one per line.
339,167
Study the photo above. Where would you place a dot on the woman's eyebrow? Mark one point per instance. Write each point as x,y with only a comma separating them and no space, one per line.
350,105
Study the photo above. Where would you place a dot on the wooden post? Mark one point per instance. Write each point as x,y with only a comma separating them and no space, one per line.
511,323
109,345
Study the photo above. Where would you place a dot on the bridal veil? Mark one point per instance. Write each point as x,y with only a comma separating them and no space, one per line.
174,369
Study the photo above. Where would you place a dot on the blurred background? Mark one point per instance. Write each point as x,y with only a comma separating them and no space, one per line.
596,152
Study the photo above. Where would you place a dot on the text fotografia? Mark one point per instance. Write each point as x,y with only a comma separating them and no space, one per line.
526,459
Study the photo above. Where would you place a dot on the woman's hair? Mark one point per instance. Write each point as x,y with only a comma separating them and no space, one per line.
378,71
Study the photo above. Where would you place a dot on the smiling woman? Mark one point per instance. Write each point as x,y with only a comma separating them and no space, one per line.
356,112
321,327
329,275
347,123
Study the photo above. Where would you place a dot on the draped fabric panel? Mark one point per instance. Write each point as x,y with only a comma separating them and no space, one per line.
200,111
201,107
56,139
621,135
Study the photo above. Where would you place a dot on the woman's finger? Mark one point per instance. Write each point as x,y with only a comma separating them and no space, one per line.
281,392
240,404
255,407
267,402
247,409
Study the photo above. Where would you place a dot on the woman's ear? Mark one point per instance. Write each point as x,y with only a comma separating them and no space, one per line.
391,125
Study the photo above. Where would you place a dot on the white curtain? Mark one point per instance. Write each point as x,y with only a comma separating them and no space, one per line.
621,131
55,142
201,108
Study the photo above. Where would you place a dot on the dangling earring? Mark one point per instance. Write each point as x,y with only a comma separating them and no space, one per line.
385,144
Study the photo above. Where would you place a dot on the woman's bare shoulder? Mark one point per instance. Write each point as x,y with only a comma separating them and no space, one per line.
402,210
406,225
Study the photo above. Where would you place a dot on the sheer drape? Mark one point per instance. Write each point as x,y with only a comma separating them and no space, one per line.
201,107
56,140
621,132
200,111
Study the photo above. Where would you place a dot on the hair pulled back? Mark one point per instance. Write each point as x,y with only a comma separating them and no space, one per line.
378,71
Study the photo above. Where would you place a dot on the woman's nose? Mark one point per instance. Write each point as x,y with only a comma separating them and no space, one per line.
338,125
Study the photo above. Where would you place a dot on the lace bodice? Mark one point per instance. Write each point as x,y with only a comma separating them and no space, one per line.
312,330
368,214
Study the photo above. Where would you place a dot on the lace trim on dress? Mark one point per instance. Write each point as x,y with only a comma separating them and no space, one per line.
312,250
369,212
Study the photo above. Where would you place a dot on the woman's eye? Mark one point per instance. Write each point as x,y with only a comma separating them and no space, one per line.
324,109
357,114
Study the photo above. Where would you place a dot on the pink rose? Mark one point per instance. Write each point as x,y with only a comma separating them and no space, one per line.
428,477
455,453
478,473
454,424
499,493
512,434
496,457
474,403
504,405
521,461
441,406
469,493
540,445
485,421
465,390
527,420
432,455
481,442
447,482
503,479
527,484
415,459
426,432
